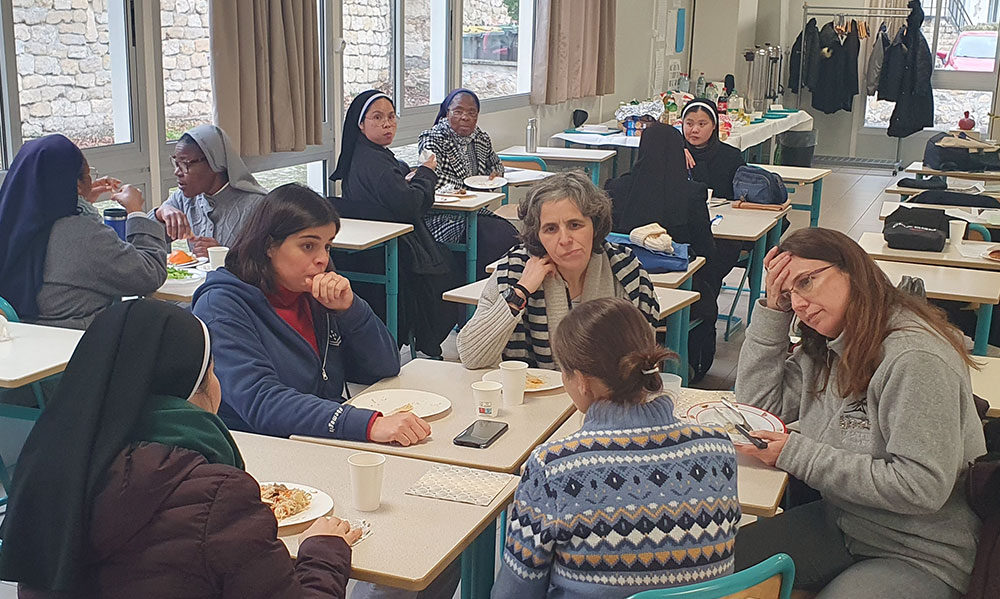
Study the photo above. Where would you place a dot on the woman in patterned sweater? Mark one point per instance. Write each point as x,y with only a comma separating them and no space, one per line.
463,150
637,499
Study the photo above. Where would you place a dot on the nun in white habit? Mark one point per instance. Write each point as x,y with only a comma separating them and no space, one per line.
216,192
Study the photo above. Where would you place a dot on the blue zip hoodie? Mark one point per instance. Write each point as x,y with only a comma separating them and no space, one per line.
273,382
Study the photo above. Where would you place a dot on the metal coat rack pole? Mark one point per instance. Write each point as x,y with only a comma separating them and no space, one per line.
840,12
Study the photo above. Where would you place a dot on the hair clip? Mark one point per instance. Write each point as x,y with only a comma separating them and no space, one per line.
652,370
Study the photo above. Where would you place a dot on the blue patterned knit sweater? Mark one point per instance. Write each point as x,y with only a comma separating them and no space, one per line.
636,500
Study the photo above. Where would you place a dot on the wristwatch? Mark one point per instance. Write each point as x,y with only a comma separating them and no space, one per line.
515,300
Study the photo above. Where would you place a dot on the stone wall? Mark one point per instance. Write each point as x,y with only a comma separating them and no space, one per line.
187,76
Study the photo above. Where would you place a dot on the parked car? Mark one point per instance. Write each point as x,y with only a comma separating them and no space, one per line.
972,51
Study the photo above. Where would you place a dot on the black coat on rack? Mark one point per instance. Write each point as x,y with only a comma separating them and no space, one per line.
837,74
915,104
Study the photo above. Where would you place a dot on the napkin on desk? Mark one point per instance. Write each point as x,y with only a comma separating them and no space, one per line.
457,483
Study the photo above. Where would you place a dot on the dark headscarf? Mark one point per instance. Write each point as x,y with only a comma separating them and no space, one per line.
443,110
130,375
707,152
39,189
659,168
352,129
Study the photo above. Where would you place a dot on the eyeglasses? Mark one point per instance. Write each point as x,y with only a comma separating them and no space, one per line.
185,165
380,119
458,113
802,287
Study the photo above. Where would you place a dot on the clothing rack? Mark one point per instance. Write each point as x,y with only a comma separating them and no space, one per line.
842,14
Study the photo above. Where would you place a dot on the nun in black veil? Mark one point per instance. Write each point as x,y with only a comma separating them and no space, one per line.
377,186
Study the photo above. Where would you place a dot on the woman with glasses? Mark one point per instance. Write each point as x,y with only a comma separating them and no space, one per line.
216,192
59,263
881,391
377,186
464,150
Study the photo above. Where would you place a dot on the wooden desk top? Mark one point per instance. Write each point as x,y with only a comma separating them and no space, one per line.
422,535
986,383
760,487
874,244
673,280
919,169
564,154
356,234
530,423
944,283
34,352
670,300
743,224
473,201
797,175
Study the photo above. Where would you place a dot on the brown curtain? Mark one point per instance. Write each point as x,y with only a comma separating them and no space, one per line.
574,55
265,74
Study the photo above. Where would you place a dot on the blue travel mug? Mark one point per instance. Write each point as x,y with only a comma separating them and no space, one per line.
115,218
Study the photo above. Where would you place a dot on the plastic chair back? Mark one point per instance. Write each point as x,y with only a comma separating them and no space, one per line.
770,579
531,163
8,311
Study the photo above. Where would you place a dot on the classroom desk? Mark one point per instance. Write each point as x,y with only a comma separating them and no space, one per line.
800,176
530,423
874,244
358,235
179,290
967,213
674,307
918,169
760,487
34,352
422,535
955,284
669,280
986,383
591,159
469,208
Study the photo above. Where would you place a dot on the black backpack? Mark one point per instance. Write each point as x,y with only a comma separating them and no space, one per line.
759,186
957,159
924,229
955,198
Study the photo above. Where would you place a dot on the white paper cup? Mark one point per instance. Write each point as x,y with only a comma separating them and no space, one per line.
487,397
366,480
956,231
671,383
217,256
513,374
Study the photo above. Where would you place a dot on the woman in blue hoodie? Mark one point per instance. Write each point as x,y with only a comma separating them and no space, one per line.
288,332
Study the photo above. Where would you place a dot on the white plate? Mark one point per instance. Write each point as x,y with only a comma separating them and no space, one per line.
484,182
552,378
448,199
321,504
760,420
425,404
197,278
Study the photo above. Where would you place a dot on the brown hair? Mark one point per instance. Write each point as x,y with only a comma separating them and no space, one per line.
282,213
873,302
591,200
610,339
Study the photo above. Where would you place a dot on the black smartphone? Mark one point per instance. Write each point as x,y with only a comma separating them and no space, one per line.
481,433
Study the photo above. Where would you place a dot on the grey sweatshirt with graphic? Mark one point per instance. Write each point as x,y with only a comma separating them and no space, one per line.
892,462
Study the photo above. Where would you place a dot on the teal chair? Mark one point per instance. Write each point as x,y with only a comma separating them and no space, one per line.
977,228
770,579
533,163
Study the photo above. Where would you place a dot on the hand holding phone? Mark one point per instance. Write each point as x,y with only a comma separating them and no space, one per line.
481,434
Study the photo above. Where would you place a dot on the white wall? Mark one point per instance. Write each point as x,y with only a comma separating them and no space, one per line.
723,29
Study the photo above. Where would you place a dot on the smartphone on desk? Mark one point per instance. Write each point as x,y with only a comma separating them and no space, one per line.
481,434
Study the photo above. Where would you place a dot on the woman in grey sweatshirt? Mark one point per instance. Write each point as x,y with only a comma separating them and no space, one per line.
880,387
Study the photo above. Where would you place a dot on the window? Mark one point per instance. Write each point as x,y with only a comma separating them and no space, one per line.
962,36
73,74
187,75
496,47
367,33
312,174
424,35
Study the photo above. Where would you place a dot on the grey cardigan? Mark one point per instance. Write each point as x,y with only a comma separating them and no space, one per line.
87,267
891,463
220,216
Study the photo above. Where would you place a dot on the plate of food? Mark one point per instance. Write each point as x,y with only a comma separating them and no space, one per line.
992,254
484,182
452,193
758,419
182,258
394,401
293,503
184,275
536,379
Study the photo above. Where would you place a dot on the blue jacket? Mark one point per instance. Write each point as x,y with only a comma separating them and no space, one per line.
273,382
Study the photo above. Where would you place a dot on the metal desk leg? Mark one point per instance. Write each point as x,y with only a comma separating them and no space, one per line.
392,287
816,199
471,251
477,565
595,173
676,339
756,273
984,319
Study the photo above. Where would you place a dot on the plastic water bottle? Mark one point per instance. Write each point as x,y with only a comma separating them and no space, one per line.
683,83
531,136
699,90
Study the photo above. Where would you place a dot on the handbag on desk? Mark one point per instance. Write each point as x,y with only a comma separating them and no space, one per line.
922,229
